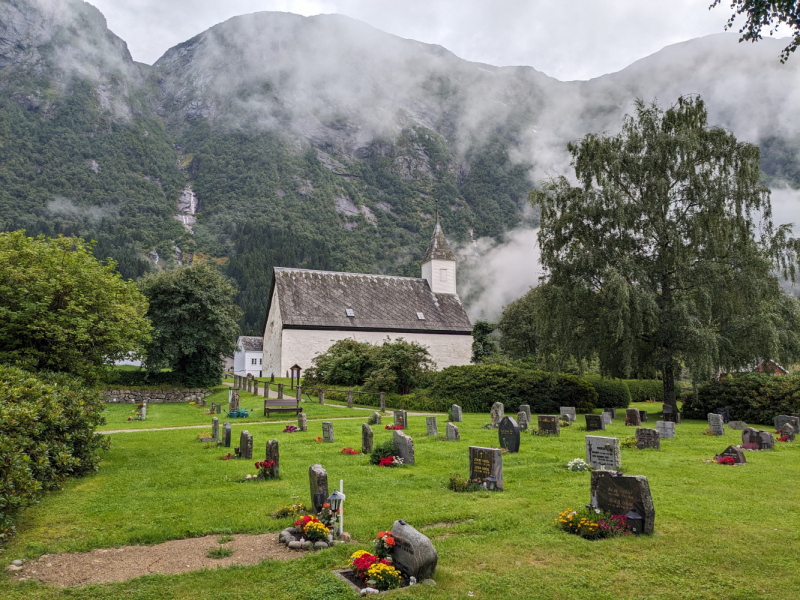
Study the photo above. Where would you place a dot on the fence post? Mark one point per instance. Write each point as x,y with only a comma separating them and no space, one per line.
349,398
299,394
383,401
280,391
322,396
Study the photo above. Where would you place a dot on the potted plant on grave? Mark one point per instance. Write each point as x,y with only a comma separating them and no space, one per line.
384,544
265,468
376,572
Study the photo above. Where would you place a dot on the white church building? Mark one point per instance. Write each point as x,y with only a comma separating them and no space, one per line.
310,310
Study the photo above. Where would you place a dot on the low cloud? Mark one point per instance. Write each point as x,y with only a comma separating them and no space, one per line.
64,207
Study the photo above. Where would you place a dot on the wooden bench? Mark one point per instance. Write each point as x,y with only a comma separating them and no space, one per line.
282,405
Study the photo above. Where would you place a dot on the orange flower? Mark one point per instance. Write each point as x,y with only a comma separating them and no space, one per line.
390,541
381,534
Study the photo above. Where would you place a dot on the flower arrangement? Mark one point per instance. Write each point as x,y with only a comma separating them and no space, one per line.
302,522
384,543
726,460
327,516
228,456
460,484
592,523
191,403
318,439
348,450
290,429
376,571
292,510
393,427
783,438
315,531
265,468
391,461
578,464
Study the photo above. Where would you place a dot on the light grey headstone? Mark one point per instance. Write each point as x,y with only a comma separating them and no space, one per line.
274,454
666,429
497,413
456,410
484,462
607,418
144,411
366,439
737,425
715,424
413,553
522,420
549,424
788,431
405,447
214,429
318,482
302,421
376,418
569,411
647,438
781,420
401,418
327,431
432,425
603,452
527,409
453,433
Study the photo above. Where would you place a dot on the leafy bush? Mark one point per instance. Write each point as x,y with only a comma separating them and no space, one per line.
385,450
754,398
476,387
611,393
645,389
143,379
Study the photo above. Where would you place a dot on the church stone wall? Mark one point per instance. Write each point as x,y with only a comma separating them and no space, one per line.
271,360
301,346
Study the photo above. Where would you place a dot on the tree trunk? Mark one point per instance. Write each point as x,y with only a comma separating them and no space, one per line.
669,384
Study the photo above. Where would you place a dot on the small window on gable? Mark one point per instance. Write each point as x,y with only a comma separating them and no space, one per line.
443,275
420,316
350,312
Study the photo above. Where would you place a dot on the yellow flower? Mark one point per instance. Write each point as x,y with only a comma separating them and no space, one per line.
358,554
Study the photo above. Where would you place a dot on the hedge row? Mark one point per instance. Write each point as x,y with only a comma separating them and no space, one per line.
144,379
645,389
611,393
755,398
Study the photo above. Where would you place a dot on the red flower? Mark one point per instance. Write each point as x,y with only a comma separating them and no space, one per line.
387,461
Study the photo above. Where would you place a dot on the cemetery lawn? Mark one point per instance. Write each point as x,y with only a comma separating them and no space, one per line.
722,532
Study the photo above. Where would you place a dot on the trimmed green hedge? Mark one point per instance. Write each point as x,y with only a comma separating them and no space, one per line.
128,379
611,393
755,398
476,387
645,389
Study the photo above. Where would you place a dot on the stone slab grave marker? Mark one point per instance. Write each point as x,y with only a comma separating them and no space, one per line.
781,420
376,416
413,553
508,432
327,431
522,420
666,429
606,418
405,447
595,423
273,454
432,425
246,445
227,435
715,424
647,438
366,439
214,429
144,411
670,414
549,424
632,417
603,452
757,439
302,421
453,433
737,425
497,413
734,452
318,482
788,432
643,416
219,409
456,410
612,412
401,418
484,462
725,413
526,408
569,411
618,494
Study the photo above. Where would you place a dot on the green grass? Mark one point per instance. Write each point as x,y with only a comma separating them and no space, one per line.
220,552
721,532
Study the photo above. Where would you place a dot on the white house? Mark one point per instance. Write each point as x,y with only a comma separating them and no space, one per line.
248,356
310,310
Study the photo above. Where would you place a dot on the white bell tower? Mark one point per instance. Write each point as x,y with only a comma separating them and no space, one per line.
439,263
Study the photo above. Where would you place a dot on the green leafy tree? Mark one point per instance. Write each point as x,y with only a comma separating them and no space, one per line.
517,327
194,319
667,243
63,310
766,13
483,346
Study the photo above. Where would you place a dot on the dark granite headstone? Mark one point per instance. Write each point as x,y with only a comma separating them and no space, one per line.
647,438
484,462
366,439
227,443
757,439
508,431
595,423
618,494
549,424
632,417
413,553
725,413
612,412
643,416
273,453
781,420
318,481
788,432
734,452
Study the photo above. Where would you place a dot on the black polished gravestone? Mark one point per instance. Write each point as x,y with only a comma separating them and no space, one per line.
642,416
725,412
670,415
484,462
619,494
227,440
734,452
549,424
508,430
595,423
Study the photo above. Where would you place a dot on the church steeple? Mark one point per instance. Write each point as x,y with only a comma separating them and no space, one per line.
439,263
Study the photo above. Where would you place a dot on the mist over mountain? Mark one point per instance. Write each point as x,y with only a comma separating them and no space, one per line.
322,142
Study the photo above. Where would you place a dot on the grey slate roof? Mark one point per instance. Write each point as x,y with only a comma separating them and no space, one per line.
438,248
320,299
251,344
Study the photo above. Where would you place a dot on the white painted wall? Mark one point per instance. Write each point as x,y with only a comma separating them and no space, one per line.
441,276
301,346
243,362
272,341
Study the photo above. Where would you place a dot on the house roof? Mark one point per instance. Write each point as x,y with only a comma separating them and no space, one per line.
438,249
325,299
251,344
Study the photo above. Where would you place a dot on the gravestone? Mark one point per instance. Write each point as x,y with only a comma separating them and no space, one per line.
757,439
647,438
318,482
781,420
227,435
144,411
405,447
219,409
484,462
214,429
612,412
327,431
670,414
456,410
666,429
522,420
569,411
413,553
213,408
432,425
788,432
737,425
453,434
595,423
280,391
618,494
383,401
549,424
233,400
526,408
274,454
734,452
376,418
643,416
401,418
715,424
603,452
632,417
302,422
606,417
246,445
366,439
725,413
497,413
349,398
508,431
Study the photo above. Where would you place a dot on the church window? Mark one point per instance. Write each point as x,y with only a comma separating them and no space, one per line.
443,275
252,361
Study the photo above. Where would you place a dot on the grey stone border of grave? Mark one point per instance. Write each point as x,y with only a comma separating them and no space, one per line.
287,537
339,573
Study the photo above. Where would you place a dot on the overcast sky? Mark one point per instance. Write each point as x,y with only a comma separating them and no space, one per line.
567,39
